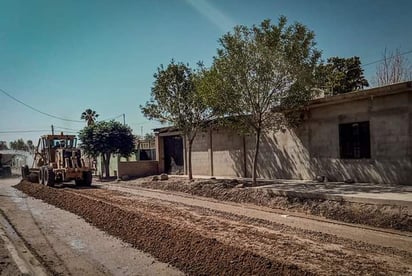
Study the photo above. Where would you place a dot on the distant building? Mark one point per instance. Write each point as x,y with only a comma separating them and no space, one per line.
16,158
365,136
140,163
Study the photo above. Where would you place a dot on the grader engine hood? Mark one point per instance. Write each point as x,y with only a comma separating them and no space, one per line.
69,158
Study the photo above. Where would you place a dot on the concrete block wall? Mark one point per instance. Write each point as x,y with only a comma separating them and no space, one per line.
218,152
160,156
223,152
390,140
201,159
228,153
314,148
138,168
390,122
282,155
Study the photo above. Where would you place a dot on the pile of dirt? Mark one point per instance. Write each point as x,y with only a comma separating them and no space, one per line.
384,216
184,248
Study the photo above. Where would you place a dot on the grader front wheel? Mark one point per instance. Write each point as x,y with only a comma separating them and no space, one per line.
25,172
87,178
33,177
41,175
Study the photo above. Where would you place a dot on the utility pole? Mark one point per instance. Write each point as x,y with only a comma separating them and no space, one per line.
52,127
124,119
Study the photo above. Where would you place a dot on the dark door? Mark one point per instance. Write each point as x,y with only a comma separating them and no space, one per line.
173,149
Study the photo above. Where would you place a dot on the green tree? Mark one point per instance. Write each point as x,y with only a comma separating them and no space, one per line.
341,75
260,69
89,116
107,138
18,145
175,100
30,145
3,145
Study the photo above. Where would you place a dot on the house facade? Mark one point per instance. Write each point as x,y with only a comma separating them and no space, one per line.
141,163
364,136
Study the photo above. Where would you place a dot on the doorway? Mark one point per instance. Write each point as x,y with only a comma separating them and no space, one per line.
173,153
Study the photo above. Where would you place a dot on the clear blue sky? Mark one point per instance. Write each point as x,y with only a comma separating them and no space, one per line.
64,56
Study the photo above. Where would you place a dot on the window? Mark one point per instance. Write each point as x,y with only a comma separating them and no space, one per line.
354,140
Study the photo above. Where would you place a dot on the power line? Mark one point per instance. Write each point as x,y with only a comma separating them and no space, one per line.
23,131
109,119
118,116
65,128
143,123
37,110
373,62
33,131
74,132
71,130
48,114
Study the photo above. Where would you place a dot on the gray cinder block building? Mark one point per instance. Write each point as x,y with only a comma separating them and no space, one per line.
365,136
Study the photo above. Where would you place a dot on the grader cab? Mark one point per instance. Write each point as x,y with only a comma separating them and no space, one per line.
56,160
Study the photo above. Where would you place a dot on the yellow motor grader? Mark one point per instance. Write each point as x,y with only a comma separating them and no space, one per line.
56,160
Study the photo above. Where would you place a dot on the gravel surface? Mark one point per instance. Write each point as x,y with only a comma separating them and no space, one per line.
183,248
65,244
200,241
385,216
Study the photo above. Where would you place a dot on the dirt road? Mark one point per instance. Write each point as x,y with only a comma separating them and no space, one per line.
64,243
202,236
381,237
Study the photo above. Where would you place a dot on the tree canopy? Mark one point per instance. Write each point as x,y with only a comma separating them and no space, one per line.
19,144
175,100
89,116
107,138
260,78
341,75
260,69
3,145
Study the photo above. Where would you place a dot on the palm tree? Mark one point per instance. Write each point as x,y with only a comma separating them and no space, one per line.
89,116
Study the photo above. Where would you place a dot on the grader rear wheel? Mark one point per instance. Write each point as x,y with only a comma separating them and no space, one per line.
79,182
86,179
49,177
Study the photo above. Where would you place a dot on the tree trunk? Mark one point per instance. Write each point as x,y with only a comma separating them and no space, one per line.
189,159
106,163
255,158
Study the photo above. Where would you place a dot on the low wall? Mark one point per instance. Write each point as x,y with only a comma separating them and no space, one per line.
138,168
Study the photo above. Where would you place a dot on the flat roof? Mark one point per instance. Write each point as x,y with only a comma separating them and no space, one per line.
362,94
166,129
